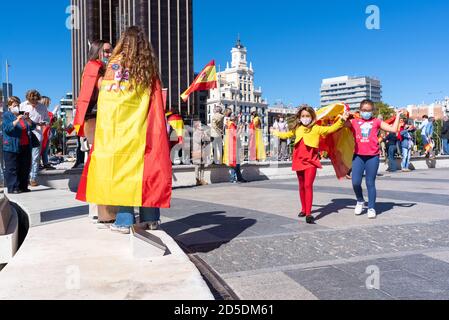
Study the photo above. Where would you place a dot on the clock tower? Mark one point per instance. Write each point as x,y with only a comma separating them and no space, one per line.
239,55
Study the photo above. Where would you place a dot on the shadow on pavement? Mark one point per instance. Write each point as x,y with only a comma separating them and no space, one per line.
216,229
340,204
66,213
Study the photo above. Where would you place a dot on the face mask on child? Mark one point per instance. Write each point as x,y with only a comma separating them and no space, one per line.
15,110
366,115
306,121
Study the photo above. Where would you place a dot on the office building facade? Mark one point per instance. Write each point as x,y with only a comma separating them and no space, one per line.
350,90
168,23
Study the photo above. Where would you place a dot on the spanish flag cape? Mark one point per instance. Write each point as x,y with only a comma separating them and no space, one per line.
46,133
393,119
129,164
256,144
177,124
89,81
340,145
230,145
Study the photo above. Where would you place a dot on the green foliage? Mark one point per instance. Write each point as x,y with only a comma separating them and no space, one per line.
58,135
384,109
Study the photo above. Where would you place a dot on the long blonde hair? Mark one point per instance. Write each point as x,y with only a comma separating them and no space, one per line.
295,121
137,55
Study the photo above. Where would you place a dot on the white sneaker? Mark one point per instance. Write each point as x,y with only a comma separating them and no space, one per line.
359,208
372,214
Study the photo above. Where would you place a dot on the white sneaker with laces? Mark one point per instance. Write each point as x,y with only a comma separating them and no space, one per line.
359,208
372,214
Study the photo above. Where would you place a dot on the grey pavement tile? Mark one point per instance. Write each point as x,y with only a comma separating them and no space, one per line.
329,283
425,267
409,277
330,245
405,285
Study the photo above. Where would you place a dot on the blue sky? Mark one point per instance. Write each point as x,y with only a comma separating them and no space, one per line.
292,44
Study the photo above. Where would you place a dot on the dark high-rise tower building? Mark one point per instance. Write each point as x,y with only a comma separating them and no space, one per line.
168,23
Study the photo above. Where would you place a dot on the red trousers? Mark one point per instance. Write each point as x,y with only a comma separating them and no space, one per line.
306,179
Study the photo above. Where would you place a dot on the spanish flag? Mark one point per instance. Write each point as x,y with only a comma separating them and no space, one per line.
89,81
339,145
230,145
177,124
256,146
46,134
129,164
206,80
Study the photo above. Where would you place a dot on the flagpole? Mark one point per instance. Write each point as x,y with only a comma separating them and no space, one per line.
8,93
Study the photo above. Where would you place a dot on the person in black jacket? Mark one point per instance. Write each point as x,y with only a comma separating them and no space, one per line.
17,145
445,135
391,142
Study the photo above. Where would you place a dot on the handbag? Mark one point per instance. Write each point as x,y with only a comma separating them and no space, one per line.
84,144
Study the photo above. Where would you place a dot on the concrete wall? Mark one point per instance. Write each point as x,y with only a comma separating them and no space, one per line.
9,231
185,176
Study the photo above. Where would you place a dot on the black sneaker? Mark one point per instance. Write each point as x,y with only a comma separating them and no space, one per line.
302,214
310,220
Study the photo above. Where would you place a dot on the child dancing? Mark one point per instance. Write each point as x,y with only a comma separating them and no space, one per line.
306,159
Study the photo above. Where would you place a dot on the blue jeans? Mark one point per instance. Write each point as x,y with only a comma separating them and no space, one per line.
45,154
235,174
406,154
35,160
391,160
370,166
446,146
126,217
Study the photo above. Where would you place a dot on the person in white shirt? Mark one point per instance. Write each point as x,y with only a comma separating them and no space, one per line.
216,133
275,142
38,113
283,144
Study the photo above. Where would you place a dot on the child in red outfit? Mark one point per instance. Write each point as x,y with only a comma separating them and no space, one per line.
306,159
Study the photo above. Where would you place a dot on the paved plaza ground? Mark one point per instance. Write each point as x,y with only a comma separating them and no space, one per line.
251,236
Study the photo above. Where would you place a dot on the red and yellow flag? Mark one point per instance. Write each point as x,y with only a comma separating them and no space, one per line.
129,164
339,145
206,80
89,81
175,121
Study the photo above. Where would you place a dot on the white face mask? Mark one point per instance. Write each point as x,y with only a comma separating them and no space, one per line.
15,110
306,121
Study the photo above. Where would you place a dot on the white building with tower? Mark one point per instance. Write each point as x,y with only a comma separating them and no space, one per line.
236,89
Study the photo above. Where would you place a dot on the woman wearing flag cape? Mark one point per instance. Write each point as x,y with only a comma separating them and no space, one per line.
130,165
232,149
256,145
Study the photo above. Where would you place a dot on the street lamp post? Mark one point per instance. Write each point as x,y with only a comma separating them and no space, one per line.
63,114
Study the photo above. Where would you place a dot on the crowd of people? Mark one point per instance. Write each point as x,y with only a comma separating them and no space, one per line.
26,141
132,142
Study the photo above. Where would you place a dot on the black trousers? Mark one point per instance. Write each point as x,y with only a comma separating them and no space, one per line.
79,154
17,169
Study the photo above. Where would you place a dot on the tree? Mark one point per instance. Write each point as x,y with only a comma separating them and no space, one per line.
384,109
